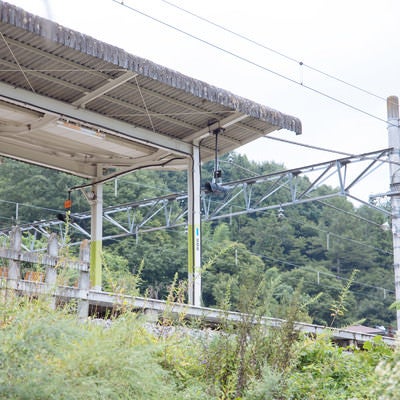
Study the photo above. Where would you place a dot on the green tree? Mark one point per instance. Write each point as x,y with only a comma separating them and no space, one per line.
326,372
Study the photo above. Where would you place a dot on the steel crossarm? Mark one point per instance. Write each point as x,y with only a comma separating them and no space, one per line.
255,194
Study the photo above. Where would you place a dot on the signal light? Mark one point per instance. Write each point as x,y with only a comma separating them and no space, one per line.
67,204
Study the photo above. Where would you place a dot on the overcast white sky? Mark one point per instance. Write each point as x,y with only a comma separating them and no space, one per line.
354,40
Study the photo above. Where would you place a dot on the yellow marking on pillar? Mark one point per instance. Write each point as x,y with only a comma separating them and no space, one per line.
95,264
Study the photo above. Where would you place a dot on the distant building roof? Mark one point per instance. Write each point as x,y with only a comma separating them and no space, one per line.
365,329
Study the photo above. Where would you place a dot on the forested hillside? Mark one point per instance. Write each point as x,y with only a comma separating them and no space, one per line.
317,245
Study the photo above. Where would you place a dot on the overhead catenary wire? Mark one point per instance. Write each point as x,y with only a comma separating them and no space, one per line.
239,166
340,237
270,49
28,205
264,212
325,203
247,60
303,268
219,26
319,272
309,146
313,147
322,272
346,238
309,269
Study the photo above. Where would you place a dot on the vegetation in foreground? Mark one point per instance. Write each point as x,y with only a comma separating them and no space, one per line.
47,354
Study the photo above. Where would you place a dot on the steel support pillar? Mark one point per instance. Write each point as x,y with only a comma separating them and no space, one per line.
194,229
394,143
96,237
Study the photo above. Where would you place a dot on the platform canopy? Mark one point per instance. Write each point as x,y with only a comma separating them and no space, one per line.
73,103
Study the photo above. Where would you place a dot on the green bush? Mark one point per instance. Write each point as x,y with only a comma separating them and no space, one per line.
47,354
325,371
50,355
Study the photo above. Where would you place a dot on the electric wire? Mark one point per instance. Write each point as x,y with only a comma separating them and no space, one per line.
349,213
145,105
311,270
320,201
247,170
305,268
229,163
325,203
288,218
17,62
246,60
310,146
122,173
344,238
263,46
275,138
336,276
340,237
300,267
336,208
24,70
239,166
28,205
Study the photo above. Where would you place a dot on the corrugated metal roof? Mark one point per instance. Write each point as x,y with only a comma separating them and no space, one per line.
53,79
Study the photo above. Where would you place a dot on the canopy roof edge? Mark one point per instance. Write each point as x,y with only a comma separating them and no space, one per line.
10,14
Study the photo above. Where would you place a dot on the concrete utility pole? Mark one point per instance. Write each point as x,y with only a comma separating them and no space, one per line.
194,228
96,231
394,168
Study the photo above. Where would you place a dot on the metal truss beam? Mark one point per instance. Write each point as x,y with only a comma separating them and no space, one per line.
256,194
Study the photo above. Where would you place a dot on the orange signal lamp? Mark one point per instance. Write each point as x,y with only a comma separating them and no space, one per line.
67,204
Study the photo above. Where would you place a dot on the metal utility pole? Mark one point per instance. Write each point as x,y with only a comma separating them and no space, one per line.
394,168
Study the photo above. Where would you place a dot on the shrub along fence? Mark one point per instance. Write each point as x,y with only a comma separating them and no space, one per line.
50,273
63,279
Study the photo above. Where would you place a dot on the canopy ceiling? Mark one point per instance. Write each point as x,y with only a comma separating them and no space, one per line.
76,104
